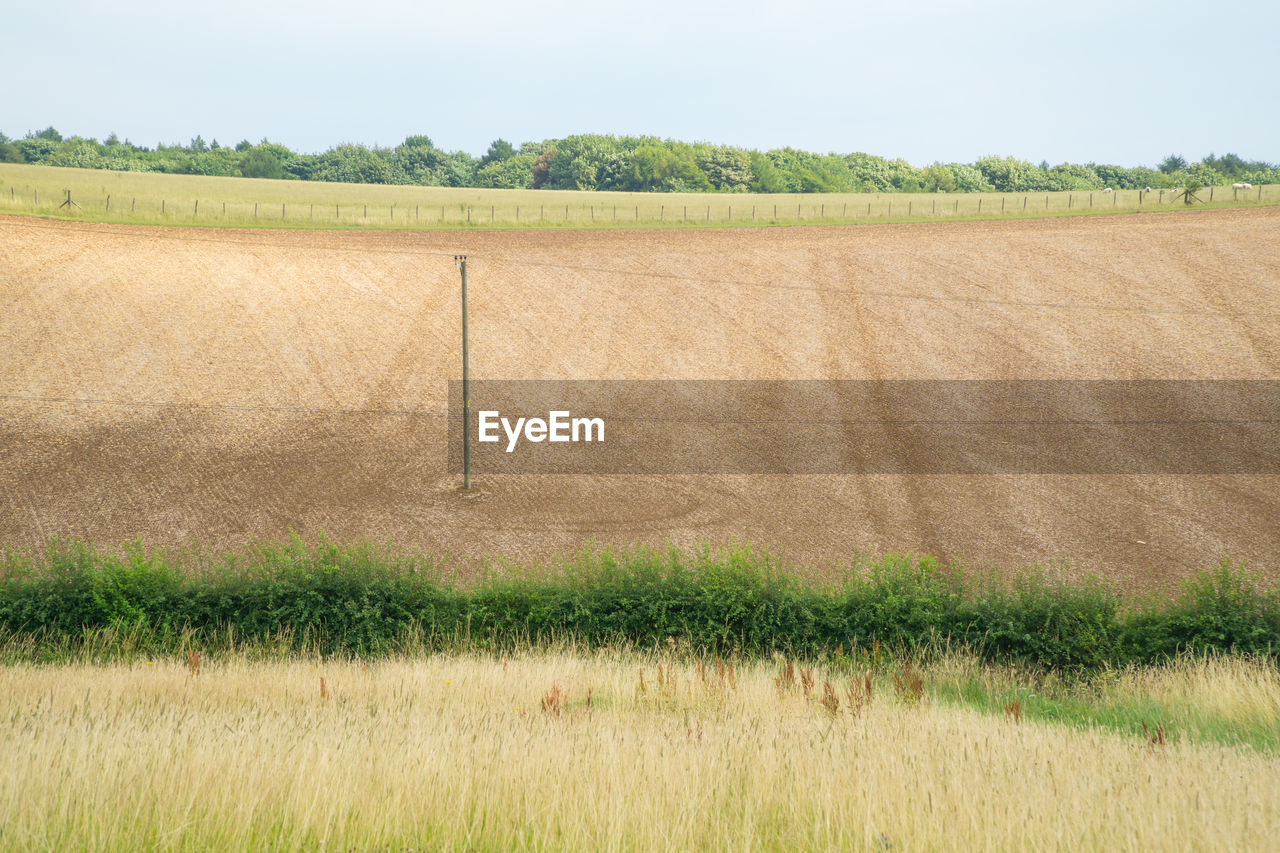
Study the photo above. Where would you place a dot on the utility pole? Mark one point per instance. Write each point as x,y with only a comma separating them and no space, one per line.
461,262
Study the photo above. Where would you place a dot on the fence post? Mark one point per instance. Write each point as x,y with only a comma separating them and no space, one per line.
313,211
662,212
822,213
1210,193
196,212
161,206
935,207
957,210
491,209
1002,204
708,213
566,213
108,198
979,206
282,210
366,212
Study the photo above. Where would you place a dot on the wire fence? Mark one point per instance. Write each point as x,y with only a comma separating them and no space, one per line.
524,209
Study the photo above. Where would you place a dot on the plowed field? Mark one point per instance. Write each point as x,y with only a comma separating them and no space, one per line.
218,387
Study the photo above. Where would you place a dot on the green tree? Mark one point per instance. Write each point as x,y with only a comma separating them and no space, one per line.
939,179
514,172
261,162
727,169
1172,164
765,177
499,150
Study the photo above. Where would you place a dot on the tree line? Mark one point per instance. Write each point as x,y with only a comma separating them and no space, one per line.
620,163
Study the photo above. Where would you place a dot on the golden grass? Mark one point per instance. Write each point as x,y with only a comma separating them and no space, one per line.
557,751
156,198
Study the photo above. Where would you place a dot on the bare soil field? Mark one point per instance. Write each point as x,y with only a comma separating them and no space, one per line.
190,386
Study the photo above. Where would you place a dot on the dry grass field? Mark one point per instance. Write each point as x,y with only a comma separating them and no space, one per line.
564,752
220,386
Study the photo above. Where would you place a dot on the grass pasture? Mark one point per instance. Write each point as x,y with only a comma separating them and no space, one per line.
568,751
162,199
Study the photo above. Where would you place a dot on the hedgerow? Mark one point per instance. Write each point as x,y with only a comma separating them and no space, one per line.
362,601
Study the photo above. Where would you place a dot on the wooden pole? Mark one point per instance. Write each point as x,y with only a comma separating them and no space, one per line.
466,382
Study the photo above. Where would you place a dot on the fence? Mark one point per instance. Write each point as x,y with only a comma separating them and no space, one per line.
526,209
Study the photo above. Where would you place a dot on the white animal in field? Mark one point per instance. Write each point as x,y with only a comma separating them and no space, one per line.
1242,186
1147,190
1108,189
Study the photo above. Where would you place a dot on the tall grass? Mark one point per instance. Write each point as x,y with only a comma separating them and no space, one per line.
363,601
591,752
157,199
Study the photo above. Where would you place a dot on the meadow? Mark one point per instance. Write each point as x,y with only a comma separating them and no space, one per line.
568,750
163,199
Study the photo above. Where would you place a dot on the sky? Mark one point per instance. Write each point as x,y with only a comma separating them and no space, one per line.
925,80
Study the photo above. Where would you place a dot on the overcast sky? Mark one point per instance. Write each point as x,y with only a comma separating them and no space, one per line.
926,80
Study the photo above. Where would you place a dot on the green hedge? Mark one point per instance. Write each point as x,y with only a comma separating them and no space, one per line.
363,601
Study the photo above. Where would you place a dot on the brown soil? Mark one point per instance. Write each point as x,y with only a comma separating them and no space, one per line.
191,385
